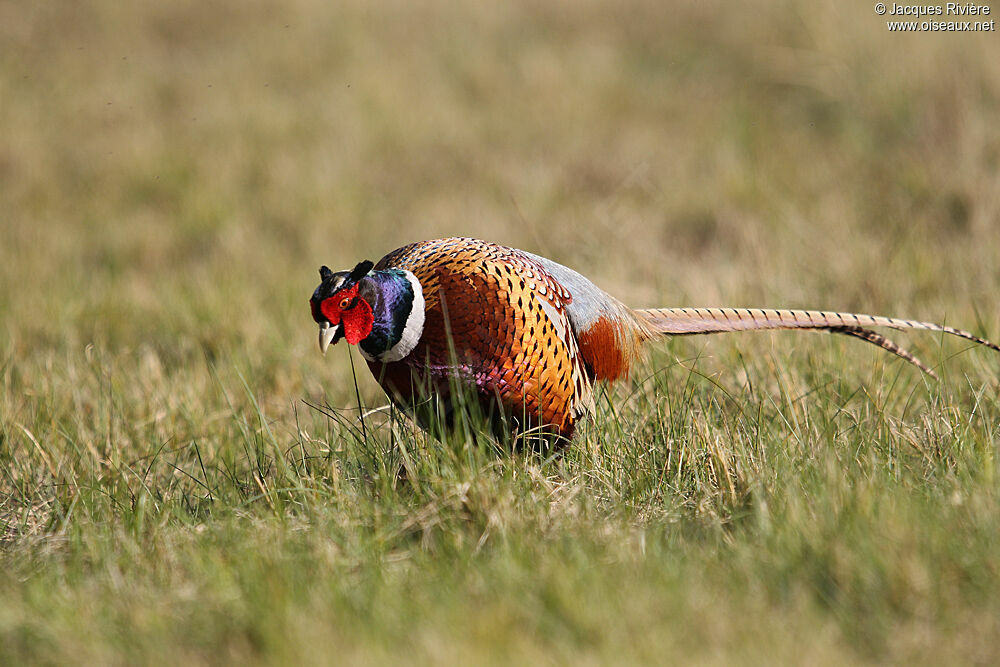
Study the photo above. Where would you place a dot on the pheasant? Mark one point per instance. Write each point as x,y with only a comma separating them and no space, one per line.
525,336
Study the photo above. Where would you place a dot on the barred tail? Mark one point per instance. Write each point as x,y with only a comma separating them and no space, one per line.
686,321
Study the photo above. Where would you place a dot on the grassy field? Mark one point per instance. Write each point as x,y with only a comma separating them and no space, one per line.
184,478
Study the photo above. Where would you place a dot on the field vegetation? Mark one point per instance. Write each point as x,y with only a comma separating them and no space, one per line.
185,480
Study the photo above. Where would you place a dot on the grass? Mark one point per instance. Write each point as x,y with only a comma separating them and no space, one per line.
183,478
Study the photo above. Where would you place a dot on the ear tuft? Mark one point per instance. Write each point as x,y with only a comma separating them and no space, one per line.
325,272
360,271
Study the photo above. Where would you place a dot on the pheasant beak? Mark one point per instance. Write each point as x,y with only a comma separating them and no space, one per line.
329,334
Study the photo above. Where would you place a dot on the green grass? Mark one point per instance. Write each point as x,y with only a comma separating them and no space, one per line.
184,478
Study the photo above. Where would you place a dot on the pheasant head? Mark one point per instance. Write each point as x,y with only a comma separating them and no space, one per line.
382,312
338,307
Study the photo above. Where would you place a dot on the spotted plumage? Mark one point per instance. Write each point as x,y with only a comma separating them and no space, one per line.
525,336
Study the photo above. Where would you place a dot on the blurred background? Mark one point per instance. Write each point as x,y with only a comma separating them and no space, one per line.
173,174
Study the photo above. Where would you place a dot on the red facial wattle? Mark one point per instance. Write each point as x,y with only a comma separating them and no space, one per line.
351,311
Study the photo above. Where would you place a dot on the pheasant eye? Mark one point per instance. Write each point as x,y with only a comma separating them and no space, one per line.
344,302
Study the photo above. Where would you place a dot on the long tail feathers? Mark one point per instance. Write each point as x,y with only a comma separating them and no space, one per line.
686,321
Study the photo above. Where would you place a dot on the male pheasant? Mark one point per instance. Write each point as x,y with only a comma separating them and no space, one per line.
525,336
